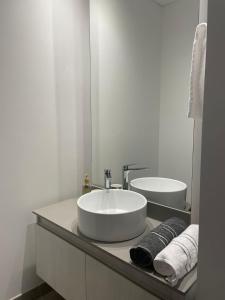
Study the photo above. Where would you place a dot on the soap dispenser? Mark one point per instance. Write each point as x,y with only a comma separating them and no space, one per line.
86,185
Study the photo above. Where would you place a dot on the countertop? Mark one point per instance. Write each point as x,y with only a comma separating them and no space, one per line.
61,219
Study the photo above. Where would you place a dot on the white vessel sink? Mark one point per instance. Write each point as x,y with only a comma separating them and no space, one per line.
164,191
113,215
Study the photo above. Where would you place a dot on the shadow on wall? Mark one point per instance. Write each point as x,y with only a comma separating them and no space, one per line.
29,277
24,265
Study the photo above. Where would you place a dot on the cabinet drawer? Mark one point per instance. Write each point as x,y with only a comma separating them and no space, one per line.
103,283
61,265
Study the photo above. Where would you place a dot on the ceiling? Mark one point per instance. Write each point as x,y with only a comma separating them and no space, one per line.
164,2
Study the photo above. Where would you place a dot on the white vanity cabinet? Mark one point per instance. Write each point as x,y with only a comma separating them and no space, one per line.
61,265
103,283
77,276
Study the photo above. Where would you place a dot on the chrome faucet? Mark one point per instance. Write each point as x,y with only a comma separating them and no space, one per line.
108,179
125,172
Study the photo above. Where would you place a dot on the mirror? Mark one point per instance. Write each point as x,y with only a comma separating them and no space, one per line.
140,67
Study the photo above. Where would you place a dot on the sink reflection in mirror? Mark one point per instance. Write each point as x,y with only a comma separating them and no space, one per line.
163,191
140,67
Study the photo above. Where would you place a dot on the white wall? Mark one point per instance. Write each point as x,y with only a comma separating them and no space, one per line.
211,268
43,72
179,21
125,39
72,91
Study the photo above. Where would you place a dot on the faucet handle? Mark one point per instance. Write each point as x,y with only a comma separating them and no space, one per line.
108,173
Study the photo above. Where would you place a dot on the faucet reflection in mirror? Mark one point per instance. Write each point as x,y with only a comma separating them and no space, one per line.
125,173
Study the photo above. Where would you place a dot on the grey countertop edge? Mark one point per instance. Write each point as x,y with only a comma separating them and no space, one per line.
138,276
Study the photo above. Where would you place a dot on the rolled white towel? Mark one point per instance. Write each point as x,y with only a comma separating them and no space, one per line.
179,257
197,78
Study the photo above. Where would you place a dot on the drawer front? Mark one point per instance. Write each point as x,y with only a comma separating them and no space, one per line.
103,283
61,265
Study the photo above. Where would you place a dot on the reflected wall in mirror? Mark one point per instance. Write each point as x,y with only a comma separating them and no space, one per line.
140,61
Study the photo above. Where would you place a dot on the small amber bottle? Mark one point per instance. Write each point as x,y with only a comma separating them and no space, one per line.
86,185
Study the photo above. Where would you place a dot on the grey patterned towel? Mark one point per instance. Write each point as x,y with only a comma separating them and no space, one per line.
144,253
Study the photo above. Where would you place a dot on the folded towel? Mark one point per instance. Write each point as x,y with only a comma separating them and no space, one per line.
144,253
179,257
197,79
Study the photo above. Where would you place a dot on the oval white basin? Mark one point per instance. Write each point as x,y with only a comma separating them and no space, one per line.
165,191
112,216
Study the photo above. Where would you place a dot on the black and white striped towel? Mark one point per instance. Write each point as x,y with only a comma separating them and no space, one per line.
144,253
179,257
